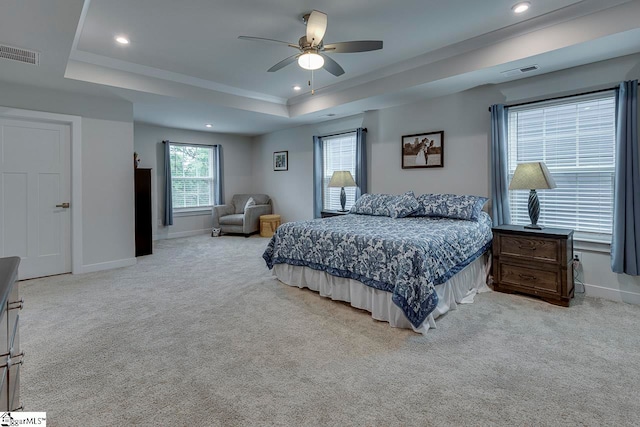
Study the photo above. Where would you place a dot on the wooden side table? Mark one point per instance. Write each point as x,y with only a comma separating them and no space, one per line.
269,225
534,262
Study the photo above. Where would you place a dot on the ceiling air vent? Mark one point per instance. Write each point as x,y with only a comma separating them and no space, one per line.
518,71
21,55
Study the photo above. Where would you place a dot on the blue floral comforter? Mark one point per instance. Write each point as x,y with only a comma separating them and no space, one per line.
407,256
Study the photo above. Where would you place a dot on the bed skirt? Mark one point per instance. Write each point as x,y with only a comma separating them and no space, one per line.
460,289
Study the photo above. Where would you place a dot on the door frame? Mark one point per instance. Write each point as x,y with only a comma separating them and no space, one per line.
75,125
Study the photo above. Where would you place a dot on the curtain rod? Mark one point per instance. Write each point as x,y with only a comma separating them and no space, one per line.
343,133
188,143
562,97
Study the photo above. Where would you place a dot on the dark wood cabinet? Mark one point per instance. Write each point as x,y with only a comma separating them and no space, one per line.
328,214
144,229
534,262
11,358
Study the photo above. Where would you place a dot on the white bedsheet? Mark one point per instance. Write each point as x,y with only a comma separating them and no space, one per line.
460,289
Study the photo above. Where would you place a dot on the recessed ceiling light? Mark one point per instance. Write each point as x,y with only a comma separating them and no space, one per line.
208,125
521,7
122,40
297,87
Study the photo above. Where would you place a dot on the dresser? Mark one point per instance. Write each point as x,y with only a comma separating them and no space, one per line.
143,222
534,262
11,358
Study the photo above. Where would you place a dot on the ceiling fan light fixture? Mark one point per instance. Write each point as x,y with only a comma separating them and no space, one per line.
121,39
310,61
521,7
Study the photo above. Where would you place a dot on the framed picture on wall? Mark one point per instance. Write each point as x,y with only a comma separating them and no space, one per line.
281,161
423,150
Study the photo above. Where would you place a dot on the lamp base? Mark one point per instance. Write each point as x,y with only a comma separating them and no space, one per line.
534,211
341,210
534,227
343,199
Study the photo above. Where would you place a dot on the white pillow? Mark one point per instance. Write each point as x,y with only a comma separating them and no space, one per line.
250,202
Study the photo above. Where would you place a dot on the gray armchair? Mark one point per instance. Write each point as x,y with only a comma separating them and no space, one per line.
233,218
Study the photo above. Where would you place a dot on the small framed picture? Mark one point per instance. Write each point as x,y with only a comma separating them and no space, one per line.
281,161
423,150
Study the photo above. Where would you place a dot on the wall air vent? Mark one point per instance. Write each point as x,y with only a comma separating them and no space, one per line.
519,71
21,55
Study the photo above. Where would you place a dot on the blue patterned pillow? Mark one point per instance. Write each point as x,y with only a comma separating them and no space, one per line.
403,205
451,206
373,204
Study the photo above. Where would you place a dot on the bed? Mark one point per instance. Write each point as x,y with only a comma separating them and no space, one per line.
406,271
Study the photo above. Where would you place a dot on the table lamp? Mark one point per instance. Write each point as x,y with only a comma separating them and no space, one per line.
342,179
532,176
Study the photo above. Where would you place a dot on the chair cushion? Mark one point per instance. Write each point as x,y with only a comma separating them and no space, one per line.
250,203
235,219
239,201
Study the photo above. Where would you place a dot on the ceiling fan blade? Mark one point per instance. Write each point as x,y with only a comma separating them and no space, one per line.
355,46
284,63
262,39
316,27
332,66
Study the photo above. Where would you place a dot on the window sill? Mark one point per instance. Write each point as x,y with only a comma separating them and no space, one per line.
192,212
590,242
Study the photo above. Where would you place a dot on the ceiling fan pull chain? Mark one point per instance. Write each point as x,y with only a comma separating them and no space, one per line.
312,89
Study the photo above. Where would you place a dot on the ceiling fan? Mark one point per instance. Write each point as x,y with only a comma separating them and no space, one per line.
312,50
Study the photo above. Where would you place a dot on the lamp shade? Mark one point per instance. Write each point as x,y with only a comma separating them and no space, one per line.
342,179
532,176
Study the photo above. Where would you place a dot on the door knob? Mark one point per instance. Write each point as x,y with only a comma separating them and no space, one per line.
64,205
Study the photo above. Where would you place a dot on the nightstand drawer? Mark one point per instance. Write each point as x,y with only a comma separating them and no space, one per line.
530,247
530,278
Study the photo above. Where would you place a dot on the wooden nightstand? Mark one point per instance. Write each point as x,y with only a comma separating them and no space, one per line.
534,262
327,214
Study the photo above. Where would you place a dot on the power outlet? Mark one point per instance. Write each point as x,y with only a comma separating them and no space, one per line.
577,260
577,256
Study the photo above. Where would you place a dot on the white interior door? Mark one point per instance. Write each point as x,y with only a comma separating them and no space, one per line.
34,182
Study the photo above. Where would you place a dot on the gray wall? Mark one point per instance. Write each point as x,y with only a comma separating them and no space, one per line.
466,122
237,176
107,181
292,191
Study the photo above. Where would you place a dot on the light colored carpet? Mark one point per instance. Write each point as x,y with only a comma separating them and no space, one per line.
200,333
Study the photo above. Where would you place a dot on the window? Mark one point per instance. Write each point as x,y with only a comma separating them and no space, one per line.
191,176
339,154
575,137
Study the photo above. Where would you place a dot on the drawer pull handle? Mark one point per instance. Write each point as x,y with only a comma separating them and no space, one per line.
16,304
527,276
533,248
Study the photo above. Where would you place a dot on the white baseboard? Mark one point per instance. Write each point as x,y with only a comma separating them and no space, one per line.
611,294
108,265
182,234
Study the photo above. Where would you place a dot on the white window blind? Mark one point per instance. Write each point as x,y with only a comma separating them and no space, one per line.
339,154
575,138
191,176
